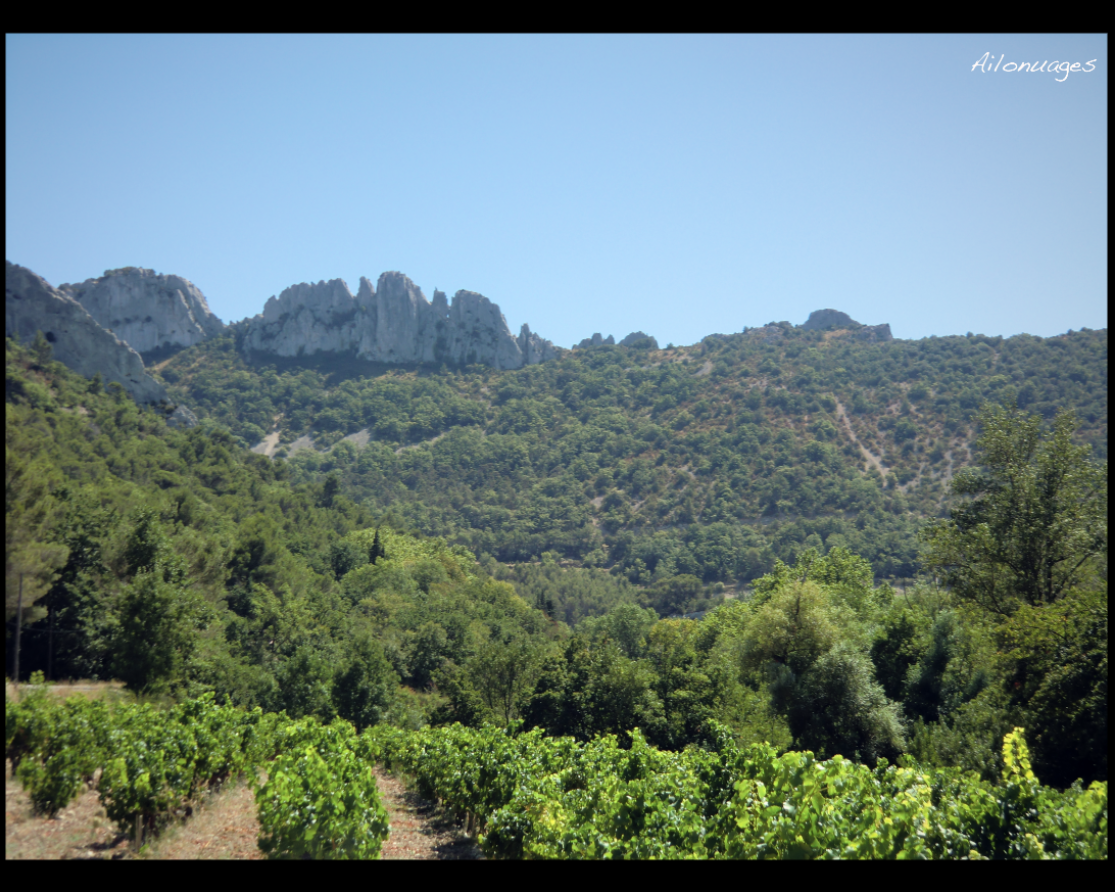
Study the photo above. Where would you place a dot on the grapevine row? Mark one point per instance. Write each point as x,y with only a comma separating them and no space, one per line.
538,797
534,796
319,798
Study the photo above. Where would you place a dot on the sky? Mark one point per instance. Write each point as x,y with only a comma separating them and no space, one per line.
676,184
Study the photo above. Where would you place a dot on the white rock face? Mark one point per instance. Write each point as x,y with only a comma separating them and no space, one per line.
392,322
77,340
145,310
534,348
304,319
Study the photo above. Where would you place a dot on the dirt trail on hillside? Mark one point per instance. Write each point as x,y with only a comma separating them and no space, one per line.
871,457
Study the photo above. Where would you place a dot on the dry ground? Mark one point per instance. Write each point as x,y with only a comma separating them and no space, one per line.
82,830
420,829
90,690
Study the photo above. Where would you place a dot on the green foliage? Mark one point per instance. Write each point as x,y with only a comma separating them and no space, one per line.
1057,674
1037,524
532,796
365,689
839,709
158,622
320,800
189,565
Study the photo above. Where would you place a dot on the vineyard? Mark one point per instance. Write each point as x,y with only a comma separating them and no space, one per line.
528,795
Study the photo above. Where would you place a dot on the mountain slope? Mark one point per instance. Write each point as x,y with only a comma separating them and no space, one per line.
711,459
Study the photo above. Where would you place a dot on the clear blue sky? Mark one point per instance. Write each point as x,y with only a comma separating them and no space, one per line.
681,185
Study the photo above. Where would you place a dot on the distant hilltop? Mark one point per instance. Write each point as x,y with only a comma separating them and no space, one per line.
634,338
834,319
820,320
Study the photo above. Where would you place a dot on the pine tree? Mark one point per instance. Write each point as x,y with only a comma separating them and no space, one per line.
378,550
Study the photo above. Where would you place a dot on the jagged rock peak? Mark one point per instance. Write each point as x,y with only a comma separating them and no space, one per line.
146,310
534,348
304,318
392,322
77,340
594,341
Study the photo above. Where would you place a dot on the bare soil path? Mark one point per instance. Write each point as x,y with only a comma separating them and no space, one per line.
872,458
420,829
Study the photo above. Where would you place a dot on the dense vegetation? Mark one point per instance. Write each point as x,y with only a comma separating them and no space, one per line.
712,460
185,565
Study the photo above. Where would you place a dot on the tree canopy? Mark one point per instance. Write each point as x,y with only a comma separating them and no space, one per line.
1036,522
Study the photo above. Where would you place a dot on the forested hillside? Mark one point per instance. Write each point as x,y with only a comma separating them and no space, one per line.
711,460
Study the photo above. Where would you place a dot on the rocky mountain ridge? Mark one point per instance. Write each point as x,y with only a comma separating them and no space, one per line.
392,322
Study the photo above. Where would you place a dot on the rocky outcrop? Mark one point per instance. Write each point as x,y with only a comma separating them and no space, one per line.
872,333
638,336
77,340
769,333
304,319
535,349
391,322
147,311
595,341
834,319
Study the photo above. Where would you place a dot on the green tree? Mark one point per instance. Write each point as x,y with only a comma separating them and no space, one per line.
158,631
503,674
1036,524
1057,671
31,559
377,550
365,689
41,349
839,708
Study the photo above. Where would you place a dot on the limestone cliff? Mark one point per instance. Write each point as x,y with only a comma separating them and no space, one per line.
535,349
391,322
77,340
147,311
